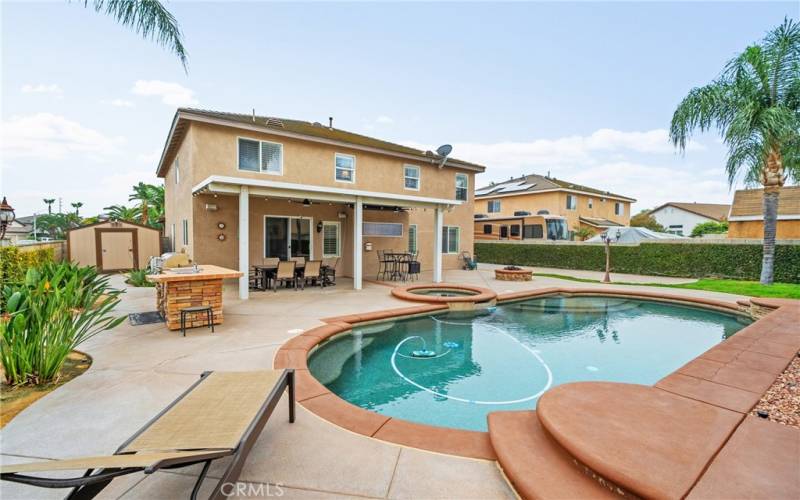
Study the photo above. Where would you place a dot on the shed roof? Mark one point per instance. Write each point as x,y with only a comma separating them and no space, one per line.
749,202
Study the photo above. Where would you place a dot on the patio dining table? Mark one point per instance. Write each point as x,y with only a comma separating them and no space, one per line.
395,261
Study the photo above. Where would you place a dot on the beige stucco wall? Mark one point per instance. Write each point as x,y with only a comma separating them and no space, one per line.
82,249
556,203
786,230
212,150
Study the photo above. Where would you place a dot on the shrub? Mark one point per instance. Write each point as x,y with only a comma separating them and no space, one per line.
50,313
693,260
710,227
14,263
138,277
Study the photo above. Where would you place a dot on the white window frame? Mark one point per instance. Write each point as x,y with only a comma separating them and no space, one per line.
446,239
406,177
185,230
366,234
338,226
466,186
177,171
260,163
416,238
619,208
591,203
491,203
574,204
336,167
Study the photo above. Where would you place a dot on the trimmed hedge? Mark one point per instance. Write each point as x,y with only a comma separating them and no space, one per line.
14,263
657,259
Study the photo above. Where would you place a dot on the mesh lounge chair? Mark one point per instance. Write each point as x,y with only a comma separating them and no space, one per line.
221,415
313,273
285,274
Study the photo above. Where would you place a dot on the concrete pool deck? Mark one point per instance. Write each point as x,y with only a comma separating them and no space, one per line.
138,370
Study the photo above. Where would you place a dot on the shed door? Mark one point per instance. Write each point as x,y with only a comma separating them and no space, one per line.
117,249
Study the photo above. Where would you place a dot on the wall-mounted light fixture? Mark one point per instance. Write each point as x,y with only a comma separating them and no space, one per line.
319,226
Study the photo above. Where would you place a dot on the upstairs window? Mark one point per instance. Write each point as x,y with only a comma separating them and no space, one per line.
591,203
493,206
572,202
462,185
345,168
260,156
411,175
619,209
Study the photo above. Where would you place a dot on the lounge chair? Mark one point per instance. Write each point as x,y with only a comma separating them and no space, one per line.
285,274
220,415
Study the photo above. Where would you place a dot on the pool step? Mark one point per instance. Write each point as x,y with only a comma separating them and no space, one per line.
537,466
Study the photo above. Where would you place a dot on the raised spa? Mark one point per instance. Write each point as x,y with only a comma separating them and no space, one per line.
452,369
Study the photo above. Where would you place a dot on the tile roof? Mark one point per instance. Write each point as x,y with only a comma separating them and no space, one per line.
748,202
598,222
304,128
716,211
534,182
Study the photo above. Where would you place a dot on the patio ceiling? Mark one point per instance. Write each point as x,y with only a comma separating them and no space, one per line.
217,184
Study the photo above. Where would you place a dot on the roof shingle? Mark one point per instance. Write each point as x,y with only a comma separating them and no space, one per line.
749,202
533,182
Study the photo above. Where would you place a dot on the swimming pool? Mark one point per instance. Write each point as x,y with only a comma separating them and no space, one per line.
452,369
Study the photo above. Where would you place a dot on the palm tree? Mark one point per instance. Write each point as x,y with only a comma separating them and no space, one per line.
77,206
142,194
147,17
49,202
121,212
755,106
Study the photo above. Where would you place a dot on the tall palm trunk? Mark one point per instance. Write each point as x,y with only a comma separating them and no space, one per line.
145,213
773,180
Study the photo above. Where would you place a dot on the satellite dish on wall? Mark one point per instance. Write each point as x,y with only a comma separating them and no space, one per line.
443,151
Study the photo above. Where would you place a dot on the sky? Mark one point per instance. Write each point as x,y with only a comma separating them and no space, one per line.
584,91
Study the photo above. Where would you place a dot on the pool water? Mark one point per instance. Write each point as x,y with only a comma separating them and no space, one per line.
443,292
453,369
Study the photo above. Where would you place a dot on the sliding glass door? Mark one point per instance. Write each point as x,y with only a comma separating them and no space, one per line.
286,237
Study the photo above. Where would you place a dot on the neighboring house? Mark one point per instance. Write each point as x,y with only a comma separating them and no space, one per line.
239,188
746,218
18,230
681,218
580,206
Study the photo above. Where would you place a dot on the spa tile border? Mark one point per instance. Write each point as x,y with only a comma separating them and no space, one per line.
407,293
732,375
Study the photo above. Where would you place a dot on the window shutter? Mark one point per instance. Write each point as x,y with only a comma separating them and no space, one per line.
271,157
248,155
412,238
453,239
330,240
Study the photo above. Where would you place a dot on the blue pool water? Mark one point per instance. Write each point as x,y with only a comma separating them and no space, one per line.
453,369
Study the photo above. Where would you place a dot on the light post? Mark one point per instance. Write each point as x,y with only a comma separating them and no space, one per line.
607,239
6,217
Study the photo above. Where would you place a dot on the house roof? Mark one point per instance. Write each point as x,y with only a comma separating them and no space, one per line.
296,128
716,211
598,222
535,183
748,203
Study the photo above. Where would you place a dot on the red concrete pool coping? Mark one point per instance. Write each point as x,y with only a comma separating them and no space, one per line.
479,294
722,376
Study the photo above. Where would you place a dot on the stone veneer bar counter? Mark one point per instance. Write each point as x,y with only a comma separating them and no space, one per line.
179,290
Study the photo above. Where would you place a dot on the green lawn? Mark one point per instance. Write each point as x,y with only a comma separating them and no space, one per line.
749,288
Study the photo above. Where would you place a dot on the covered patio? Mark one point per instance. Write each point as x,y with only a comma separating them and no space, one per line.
285,220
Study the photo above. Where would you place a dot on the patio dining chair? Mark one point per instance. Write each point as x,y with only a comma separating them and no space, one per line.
285,274
414,266
269,269
221,415
329,270
313,273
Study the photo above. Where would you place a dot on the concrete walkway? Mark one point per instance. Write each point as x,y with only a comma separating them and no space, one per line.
139,370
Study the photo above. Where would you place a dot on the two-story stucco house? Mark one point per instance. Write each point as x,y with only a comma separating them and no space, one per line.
240,188
506,204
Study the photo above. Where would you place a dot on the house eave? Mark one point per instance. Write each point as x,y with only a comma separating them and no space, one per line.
554,190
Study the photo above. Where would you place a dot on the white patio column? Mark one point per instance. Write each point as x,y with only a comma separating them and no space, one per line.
244,242
438,218
358,244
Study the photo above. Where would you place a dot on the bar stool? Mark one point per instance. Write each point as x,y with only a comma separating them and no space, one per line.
194,310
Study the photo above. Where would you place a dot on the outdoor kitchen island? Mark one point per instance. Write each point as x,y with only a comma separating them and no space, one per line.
183,287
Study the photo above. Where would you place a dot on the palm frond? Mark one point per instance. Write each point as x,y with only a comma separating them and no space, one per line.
148,18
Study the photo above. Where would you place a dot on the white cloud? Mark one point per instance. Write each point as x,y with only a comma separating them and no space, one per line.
49,136
121,103
171,94
384,120
42,88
